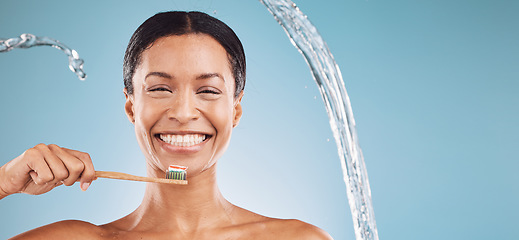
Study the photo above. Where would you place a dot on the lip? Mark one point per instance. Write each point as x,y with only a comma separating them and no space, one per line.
179,149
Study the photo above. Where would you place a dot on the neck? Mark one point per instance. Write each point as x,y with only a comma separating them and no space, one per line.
187,208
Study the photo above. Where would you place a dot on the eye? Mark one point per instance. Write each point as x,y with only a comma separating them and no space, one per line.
209,91
159,89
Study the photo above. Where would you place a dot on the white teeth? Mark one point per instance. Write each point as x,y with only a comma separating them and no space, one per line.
187,140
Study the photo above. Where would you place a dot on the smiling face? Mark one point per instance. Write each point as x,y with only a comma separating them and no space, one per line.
183,104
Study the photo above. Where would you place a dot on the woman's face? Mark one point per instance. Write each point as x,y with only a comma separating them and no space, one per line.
183,104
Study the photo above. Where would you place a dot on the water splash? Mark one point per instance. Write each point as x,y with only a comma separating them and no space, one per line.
326,73
28,40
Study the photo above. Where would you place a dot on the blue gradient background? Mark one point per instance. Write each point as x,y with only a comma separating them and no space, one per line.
433,84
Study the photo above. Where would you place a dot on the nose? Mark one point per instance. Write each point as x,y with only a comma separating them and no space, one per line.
183,108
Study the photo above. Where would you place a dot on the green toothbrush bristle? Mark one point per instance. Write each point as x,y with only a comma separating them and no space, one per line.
176,172
176,175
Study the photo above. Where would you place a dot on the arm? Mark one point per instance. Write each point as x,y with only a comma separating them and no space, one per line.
3,194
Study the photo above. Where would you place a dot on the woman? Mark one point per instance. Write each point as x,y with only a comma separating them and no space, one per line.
184,74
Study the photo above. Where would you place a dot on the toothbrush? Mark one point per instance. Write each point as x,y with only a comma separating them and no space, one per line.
177,172
174,175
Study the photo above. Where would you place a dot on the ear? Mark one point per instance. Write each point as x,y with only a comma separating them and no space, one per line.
237,111
128,106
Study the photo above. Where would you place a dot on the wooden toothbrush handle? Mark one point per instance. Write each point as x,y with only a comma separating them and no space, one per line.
125,176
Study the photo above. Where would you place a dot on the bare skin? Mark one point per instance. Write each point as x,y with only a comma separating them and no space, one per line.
183,86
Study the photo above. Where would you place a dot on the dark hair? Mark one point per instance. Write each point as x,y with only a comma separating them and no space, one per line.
179,23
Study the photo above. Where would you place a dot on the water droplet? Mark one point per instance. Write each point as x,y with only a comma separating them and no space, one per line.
28,40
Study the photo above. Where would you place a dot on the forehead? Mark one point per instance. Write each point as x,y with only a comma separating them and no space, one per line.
189,54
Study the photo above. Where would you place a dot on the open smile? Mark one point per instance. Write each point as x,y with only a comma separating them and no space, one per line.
183,140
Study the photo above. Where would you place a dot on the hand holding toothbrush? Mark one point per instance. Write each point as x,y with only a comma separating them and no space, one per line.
44,167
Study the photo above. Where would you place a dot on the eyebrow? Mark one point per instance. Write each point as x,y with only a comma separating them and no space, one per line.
209,75
202,76
159,74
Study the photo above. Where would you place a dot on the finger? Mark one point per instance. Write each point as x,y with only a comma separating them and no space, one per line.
56,165
88,174
73,165
38,168
34,176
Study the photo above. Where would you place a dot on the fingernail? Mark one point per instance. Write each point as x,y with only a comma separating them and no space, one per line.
84,186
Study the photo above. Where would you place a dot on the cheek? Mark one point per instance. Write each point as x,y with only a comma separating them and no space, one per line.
146,115
222,120
220,115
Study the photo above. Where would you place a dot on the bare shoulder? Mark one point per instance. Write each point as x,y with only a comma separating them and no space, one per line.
256,226
69,229
296,229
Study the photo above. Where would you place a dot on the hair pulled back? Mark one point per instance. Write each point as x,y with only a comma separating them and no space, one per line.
179,23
